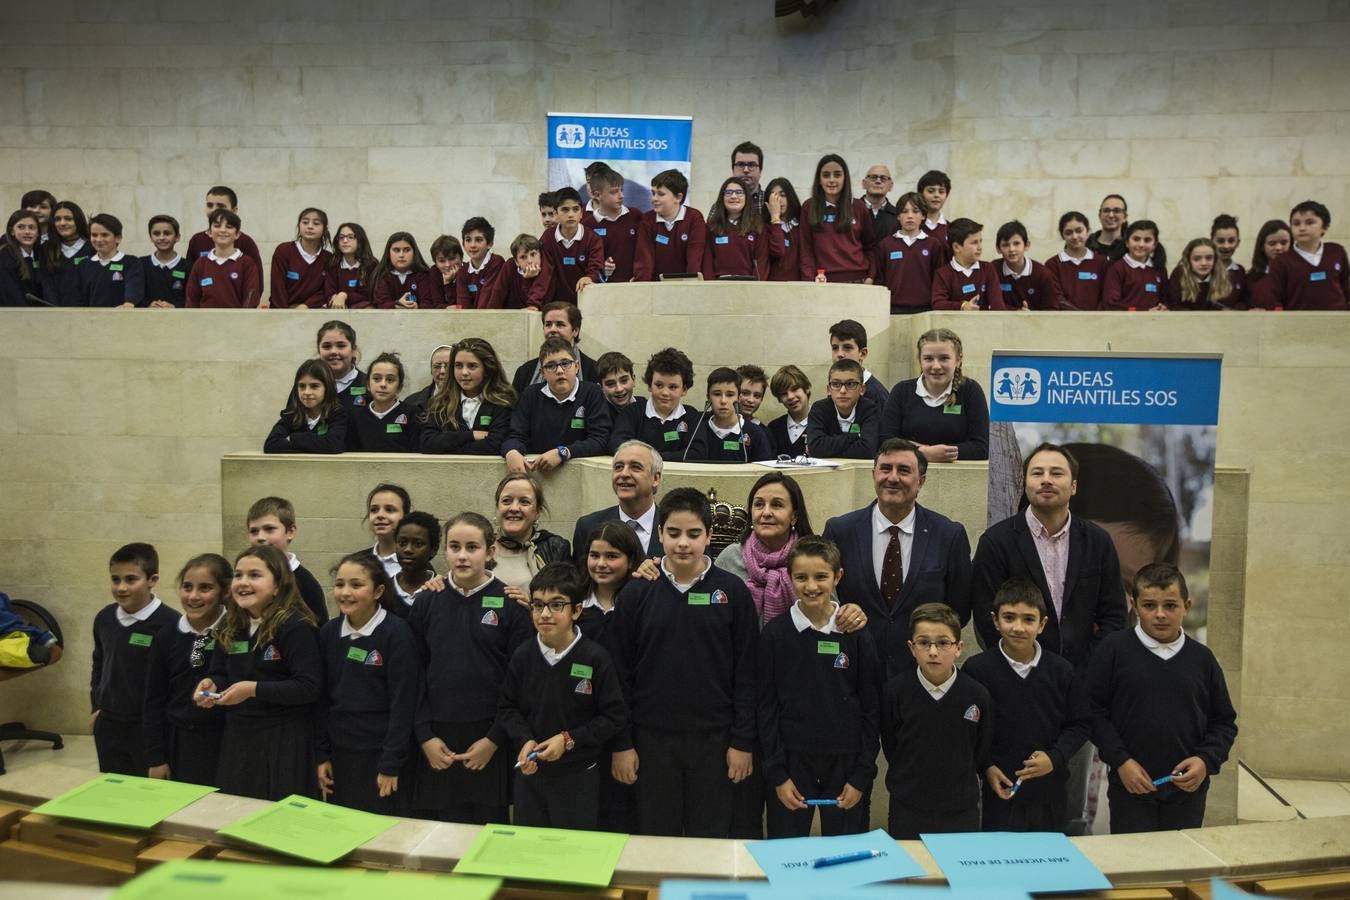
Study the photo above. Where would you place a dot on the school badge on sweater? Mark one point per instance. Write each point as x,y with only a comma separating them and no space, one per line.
972,713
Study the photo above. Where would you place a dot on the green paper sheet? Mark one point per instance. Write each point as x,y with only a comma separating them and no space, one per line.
203,880
544,854
124,800
299,826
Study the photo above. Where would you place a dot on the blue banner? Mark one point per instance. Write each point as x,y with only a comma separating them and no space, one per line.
590,137
1104,389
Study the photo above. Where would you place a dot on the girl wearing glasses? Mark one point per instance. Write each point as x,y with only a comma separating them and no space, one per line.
737,244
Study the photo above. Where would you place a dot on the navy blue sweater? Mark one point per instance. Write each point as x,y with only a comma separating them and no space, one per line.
935,748
492,418
173,673
312,593
114,284
398,431
669,438
325,437
753,444
287,668
827,440
540,424
964,424
165,284
778,434
121,657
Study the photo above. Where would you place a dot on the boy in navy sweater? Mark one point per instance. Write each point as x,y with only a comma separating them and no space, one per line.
965,282
685,647
661,421
818,704
1023,282
165,271
935,732
561,703
559,419
722,434
124,632
791,388
614,372
845,424
1162,718
1041,716
271,520
848,340
110,278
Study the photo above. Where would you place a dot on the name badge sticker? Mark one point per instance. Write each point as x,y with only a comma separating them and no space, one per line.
494,602
114,267
569,260
292,276
897,254
967,288
723,239
356,654
1318,276
139,639
828,647
953,410
393,428
731,445
830,217
662,239
671,436
473,288
787,243
854,429
601,231
321,431
357,391
1150,289
578,423
179,274
581,670
1007,288
207,282
238,647
485,420
1087,276
697,599
351,282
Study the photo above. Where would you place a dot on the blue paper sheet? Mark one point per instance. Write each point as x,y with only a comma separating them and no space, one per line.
759,890
1032,862
1222,890
787,862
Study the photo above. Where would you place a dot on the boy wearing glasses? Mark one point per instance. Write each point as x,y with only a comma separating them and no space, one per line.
845,424
935,732
561,702
558,419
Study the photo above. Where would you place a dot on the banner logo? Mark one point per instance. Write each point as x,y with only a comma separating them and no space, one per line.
570,135
1017,386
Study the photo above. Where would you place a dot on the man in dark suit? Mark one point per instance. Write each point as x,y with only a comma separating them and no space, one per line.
561,319
925,559
635,478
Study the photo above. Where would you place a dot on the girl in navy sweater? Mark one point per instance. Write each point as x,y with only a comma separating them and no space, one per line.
313,420
266,672
942,411
372,676
386,505
1138,279
299,267
472,413
385,424
182,740
837,233
336,343
20,271
67,247
348,281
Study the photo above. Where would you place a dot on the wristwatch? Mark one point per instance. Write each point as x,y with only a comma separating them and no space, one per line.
563,453
568,743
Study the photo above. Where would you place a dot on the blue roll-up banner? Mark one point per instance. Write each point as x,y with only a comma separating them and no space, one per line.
637,147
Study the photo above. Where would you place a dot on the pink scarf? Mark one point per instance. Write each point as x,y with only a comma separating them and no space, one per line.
767,576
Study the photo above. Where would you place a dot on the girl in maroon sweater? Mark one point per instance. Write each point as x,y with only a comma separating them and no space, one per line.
837,233
399,276
347,283
1137,280
299,267
737,244
1273,239
785,246
1199,282
1078,270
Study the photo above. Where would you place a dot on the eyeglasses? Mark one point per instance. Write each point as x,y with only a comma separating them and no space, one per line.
851,385
1112,210
346,237
925,644
553,606
745,166
881,179
733,193
558,365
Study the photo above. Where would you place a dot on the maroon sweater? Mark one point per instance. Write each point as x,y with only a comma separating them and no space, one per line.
1172,296
734,253
1126,287
568,265
907,271
952,288
338,280
201,244
1298,285
233,284
519,292
425,288
1240,298
845,256
619,237
677,250
939,233
296,282
1039,290
785,252
482,289
1080,283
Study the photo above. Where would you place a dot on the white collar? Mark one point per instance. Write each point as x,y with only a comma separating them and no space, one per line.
724,433
346,630
684,588
591,602
1065,257
653,414
185,627
112,259
487,258
910,241
253,626
646,521
346,380
1134,264
1026,269
880,523
468,408
154,261
962,269
471,591
69,251
1158,648
601,217
391,558
1233,267
548,392
1314,258
553,657
922,390
801,622
936,691
127,619
1022,669
305,255
931,224
380,415
401,276
1039,530
221,260
311,421
27,254
875,207
845,423
293,560
343,264
670,223
557,235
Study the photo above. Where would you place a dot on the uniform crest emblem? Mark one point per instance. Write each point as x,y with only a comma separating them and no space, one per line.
490,617
583,686
373,658
271,654
841,661
972,713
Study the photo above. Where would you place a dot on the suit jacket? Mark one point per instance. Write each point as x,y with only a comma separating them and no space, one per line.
939,572
1094,597
591,521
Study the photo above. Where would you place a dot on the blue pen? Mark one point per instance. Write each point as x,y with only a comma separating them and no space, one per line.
822,802
1016,787
856,856
531,756
1158,782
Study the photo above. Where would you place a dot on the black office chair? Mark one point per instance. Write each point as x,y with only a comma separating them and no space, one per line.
36,615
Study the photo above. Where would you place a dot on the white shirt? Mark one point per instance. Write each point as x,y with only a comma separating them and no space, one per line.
881,538
601,217
1026,269
1157,648
643,525
349,265
305,255
346,380
724,433
222,260
910,241
69,250
591,601
795,429
253,626
1022,669
468,409
471,591
684,588
487,258
874,207
402,277
390,562
962,269
1315,258
801,622
557,235
929,400
670,223
310,422
154,261
846,423
1065,257
126,619
376,413
112,259
346,630
1135,264
291,558
930,224
676,413
937,692
576,386
185,627
553,657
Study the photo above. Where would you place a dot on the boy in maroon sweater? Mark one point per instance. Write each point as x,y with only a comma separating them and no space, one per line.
1024,283
965,282
907,259
672,236
225,278
200,244
480,283
935,187
575,254
615,224
525,280
299,267
1313,274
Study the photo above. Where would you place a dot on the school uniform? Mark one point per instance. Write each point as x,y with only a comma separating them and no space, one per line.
937,741
785,250
686,655
528,373
268,748
843,256
59,276
465,641
327,436
13,283
905,266
640,421
341,278
1112,251
201,243
743,442
1033,287
396,430
353,390
165,280
937,230
234,282
736,253
818,710
1176,303
618,234
175,730
831,436
788,437
1158,704
112,282
1311,281
311,592
546,692
298,277
122,644
915,415
372,681
475,414
519,292
1080,280
669,248
569,261
423,288
954,285
1240,298
580,422
481,287
1132,285
1039,705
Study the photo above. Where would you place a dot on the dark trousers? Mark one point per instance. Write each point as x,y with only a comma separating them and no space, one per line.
559,801
618,801
907,824
817,777
682,786
457,794
120,747
1168,809
1019,814
747,804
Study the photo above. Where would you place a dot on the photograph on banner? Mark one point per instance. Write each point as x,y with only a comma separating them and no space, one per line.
1144,432
637,147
